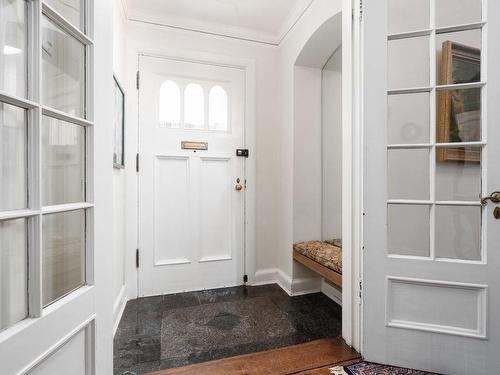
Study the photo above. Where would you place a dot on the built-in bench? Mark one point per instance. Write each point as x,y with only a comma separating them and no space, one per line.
322,257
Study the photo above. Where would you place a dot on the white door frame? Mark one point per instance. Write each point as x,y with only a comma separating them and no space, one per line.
352,175
248,66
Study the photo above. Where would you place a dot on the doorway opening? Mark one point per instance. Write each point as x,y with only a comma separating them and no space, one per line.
318,151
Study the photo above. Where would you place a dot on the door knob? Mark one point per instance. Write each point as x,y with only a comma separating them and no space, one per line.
494,198
238,186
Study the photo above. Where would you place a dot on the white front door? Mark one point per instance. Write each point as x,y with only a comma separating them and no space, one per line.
191,183
431,265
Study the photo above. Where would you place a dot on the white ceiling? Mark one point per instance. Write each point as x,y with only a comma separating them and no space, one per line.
265,21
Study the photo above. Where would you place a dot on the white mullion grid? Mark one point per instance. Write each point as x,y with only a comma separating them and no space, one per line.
65,208
457,28
17,101
433,128
484,130
67,26
47,111
35,167
410,34
88,10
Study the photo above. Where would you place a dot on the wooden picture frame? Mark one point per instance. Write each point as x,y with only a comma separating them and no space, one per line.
119,126
459,111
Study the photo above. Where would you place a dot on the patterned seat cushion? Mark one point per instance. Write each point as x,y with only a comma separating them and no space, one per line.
322,252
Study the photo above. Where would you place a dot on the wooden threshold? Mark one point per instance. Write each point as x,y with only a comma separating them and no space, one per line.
327,273
309,358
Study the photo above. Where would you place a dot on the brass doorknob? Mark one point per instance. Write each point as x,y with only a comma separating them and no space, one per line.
238,187
494,198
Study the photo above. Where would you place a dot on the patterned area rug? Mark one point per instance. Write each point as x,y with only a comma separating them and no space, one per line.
368,368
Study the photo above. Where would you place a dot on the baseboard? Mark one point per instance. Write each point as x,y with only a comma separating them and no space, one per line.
119,307
293,287
331,292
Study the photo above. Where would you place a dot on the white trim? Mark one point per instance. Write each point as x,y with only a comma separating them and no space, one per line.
119,308
171,262
56,18
224,31
86,325
293,287
482,309
66,208
331,292
47,111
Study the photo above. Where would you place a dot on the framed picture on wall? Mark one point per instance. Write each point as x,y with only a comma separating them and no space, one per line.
459,110
119,125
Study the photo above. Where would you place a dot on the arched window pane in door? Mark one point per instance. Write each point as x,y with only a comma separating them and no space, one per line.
194,107
170,104
218,109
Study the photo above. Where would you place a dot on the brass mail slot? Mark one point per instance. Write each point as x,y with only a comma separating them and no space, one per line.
188,145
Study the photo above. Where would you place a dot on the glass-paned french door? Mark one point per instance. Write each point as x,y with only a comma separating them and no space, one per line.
45,143
436,137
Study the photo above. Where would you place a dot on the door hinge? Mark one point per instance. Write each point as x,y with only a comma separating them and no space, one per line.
242,152
361,10
360,291
137,258
137,162
245,278
138,79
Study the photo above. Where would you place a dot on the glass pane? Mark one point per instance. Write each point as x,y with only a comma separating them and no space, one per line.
408,174
170,105
63,73
458,57
458,232
13,47
408,63
218,109
13,158
13,272
408,229
457,12
69,9
408,118
459,115
194,107
458,174
408,15
63,162
63,254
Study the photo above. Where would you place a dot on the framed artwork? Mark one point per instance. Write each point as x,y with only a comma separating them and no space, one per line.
459,110
119,125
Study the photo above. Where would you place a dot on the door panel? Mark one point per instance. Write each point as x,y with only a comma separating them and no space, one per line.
187,198
432,147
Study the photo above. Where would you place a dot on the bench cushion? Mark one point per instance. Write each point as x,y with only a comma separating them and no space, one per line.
322,252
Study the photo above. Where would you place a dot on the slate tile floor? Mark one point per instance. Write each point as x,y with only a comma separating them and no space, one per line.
180,329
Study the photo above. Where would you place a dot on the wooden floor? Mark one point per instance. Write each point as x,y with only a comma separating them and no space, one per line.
312,358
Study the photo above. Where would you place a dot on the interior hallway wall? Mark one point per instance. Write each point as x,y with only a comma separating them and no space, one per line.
165,41
331,135
290,50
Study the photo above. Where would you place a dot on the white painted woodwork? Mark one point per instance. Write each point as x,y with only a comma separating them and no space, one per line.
260,20
424,308
191,218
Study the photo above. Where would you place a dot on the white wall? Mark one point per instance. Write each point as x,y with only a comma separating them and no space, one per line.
332,147
165,41
307,155
119,175
290,50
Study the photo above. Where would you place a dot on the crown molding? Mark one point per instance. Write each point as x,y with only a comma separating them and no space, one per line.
217,29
